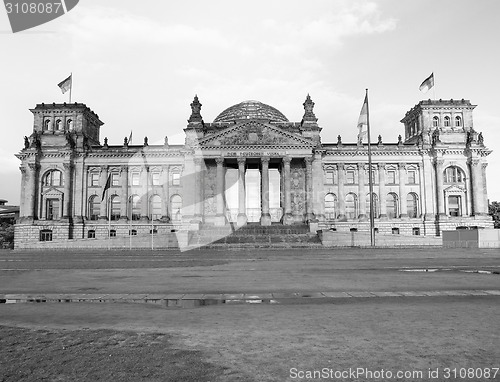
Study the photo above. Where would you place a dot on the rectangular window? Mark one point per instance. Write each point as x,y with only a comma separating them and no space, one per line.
350,177
115,179
176,179
395,231
391,177
136,181
52,212
412,177
330,177
416,231
112,233
94,179
155,178
454,206
91,234
46,235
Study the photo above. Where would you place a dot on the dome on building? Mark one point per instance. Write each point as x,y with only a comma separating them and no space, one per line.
251,110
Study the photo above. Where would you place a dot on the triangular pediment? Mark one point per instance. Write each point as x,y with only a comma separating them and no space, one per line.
255,134
454,189
52,193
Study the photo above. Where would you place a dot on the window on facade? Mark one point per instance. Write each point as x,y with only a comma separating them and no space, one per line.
47,125
176,179
135,202
155,208
412,177
453,174
395,230
69,124
46,235
94,179
458,121
392,205
351,206
91,234
435,121
375,205
454,206
447,121
350,176
58,125
330,179
52,209
155,178
115,179
94,207
412,205
53,178
112,233
416,231
374,177
391,177
330,202
115,207
136,179
132,232
176,207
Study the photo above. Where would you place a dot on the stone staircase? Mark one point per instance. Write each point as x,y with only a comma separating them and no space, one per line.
251,236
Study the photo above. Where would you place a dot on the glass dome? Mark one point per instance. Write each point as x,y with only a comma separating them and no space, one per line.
251,110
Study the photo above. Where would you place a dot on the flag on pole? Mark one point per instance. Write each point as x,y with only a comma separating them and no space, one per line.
65,85
363,121
108,184
130,138
427,84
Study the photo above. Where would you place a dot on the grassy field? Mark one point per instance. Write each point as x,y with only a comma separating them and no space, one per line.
248,343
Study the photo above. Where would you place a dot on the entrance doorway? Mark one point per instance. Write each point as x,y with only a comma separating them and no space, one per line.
253,192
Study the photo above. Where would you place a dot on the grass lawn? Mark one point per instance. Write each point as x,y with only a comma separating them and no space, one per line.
140,342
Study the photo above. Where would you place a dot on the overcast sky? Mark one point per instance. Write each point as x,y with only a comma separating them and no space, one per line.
138,64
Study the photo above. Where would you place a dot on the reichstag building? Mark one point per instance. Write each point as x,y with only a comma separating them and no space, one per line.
250,166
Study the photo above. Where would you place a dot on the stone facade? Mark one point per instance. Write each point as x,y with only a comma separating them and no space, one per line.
251,165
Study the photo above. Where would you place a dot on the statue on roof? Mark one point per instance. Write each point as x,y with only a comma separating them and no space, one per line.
195,111
309,115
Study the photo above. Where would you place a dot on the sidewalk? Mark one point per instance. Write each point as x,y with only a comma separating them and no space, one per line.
194,300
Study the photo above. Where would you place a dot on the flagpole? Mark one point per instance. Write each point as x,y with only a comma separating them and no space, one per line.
130,224
71,86
108,198
370,176
433,85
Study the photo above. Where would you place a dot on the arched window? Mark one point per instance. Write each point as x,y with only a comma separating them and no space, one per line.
435,121
47,124
453,174
53,178
412,205
392,205
94,207
135,207
458,121
155,208
58,125
69,124
176,207
115,207
330,203
351,211
446,121
375,205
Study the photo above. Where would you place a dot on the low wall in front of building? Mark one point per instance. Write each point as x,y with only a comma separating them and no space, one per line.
362,239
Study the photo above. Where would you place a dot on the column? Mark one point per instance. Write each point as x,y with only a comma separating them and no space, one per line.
318,192
24,185
287,214
440,187
242,217
341,193
165,194
381,191
125,204
309,213
362,191
402,190
265,217
477,192
32,192
104,178
199,204
220,218
67,191
484,193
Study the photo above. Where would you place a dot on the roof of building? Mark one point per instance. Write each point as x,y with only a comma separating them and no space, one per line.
251,110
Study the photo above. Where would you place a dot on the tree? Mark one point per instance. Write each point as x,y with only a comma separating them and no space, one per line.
494,211
6,235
